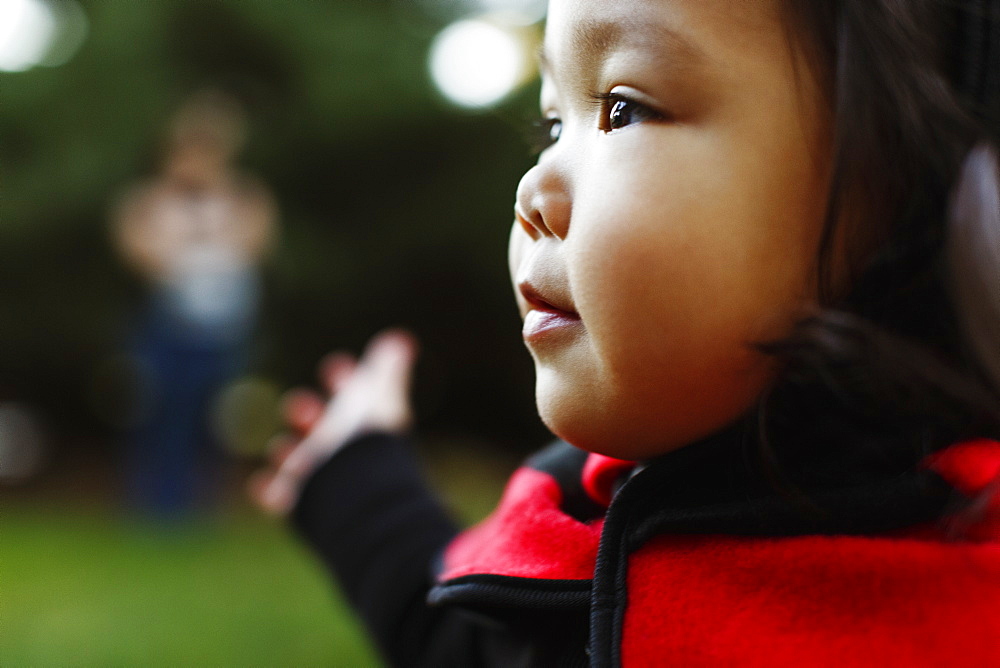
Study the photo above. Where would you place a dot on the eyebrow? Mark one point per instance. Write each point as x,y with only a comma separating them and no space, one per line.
596,38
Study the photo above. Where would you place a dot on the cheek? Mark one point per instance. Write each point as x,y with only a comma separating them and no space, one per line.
669,308
674,291
661,261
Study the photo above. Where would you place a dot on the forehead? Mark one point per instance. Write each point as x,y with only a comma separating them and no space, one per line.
690,31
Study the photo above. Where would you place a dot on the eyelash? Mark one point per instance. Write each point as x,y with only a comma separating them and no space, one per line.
616,103
546,131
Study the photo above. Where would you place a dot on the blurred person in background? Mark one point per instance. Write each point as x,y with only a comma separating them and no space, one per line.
195,234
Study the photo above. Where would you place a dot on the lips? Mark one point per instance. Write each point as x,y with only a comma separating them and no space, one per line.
547,303
547,314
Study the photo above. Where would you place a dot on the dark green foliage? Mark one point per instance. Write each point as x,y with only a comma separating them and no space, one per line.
394,207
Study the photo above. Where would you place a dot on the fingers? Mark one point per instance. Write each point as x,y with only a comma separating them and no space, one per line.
389,361
301,409
397,342
370,393
335,370
389,354
390,358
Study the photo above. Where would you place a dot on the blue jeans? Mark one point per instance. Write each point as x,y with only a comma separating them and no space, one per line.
173,457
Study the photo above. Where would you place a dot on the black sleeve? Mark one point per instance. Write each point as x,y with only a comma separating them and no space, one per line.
374,522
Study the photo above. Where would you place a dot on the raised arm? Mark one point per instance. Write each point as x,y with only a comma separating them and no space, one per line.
354,491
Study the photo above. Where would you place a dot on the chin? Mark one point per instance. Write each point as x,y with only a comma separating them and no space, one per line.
635,434
620,441
607,434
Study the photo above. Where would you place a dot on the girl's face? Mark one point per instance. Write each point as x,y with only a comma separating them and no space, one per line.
673,221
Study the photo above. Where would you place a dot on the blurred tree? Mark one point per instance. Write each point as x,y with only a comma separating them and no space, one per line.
395,208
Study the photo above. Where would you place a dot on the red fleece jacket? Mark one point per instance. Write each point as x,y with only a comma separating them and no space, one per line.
912,598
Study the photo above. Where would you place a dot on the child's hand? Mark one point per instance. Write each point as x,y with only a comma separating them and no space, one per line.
370,394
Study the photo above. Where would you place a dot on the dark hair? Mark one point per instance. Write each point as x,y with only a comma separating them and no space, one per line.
906,359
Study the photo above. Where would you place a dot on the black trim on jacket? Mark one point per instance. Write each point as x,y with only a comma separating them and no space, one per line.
377,526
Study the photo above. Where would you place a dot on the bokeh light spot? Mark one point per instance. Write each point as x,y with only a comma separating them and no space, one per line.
39,32
475,63
27,30
245,416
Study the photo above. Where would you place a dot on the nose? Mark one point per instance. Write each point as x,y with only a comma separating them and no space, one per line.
543,201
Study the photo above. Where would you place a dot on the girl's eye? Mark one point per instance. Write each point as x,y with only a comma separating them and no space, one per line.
618,111
545,133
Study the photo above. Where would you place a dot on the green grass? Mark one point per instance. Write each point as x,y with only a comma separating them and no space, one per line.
83,586
80,587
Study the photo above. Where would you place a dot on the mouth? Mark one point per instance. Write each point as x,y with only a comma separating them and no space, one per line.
545,315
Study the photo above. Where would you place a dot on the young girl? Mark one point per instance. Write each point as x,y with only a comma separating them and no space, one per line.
758,268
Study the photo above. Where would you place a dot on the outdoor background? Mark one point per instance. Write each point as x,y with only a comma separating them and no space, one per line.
395,205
